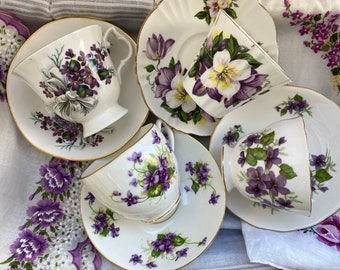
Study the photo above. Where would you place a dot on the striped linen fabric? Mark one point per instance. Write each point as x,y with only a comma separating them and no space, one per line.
127,14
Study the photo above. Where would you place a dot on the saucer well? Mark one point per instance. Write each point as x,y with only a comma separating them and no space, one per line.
180,239
322,124
168,43
60,138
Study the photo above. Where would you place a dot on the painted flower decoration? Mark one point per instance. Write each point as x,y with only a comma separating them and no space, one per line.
201,179
212,7
154,176
266,174
225,75
166,246
157,47
71,83
68,134
167,82
226,72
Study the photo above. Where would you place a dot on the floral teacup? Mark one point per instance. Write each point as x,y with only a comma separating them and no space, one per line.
230,69
75,77
140,181
271,167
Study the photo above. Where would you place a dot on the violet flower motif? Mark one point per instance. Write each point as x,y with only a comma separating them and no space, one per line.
100,222
284,203
156,138
45,213
272,157
28,246
90,197
214,198
55,179
329,231
157,47
130,199
318,161
136,157
165,244
114,231
136,259
257,182
182,253
190,168
277,184
252,139
203,174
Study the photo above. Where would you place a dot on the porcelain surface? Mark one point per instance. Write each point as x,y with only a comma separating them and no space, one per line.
175,242
52,134
322,129
167,45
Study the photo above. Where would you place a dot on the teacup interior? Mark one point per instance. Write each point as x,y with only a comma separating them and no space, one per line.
100,163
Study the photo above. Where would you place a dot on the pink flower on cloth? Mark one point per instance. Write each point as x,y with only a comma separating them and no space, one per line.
329,231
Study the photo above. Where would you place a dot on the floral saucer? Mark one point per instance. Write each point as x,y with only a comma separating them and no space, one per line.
168,43
175,242
323,132
55,136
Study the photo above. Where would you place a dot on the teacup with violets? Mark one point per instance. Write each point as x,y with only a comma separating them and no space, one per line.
271,167
141,180
76,79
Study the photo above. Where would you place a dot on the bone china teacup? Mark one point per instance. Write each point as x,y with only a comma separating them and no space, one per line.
75,77
271,167
140,181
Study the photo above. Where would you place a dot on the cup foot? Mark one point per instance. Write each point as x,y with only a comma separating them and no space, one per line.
98,123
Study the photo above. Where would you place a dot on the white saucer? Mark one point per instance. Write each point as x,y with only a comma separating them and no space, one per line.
323,131
23,101
175,19
195,222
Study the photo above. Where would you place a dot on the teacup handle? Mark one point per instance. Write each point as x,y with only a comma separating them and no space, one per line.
126,41
169,133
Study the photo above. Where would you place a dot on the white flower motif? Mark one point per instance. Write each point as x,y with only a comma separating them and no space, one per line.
178,96
225,74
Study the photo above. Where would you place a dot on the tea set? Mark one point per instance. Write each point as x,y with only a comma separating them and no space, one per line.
148,180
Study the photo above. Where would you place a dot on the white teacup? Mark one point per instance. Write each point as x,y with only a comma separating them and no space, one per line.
75,77
140,181
271,167
230,69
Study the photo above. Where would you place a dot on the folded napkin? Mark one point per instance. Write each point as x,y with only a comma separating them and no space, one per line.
312,248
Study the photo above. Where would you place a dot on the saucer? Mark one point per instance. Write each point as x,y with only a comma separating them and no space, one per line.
323,131
55,136
174,27
186,235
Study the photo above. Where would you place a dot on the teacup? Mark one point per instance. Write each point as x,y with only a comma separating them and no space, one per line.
271,167
140,181
75,77
230,69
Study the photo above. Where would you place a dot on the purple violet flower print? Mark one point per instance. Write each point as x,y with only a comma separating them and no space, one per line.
55,179
46,213
156,138
264,171
157,47
329,231
166,246
296,106
201,179
130,199
28,246
322,168
136,157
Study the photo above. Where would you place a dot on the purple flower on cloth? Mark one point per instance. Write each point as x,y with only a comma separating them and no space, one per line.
55,179
157,47
45,213
329,231
28,246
